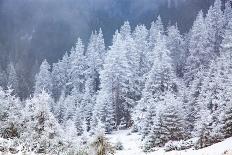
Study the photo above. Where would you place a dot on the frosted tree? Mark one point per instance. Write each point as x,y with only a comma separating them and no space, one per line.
226,53
60,109
77,71
226,43
133,64
3,78
95,55
161,78
168,124
12,81
10,114
199,55
216,93
104,112
42,133
227,121
60,76
71,107
227,13
175,44
79,120
173,118
192,105
43,79
140,36
114,80
156,29
214,21
148,122
70,130
202,128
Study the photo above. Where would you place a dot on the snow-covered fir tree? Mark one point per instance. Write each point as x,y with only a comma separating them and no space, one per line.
10,114
43,80
12,81
215,26
168,123
156,29
41,133
175,44
60,76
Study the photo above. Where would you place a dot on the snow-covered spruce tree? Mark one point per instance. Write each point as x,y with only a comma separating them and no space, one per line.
216,93
173,118
74,112
10,114
226,52
117,86
148,122
202,126
140,36
60,77
3,78
156,29
43,79
227,13
192,104
70,130
95,56
104,112
78,68
215,26
160,79
42,133
60,109
199,55
132,94
175,44
168,123
77,75
12,81
227,121
226,43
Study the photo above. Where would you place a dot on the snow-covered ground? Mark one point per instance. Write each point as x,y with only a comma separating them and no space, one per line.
132,146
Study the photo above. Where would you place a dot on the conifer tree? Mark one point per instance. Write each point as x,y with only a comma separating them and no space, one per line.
61,76
43,79
12,81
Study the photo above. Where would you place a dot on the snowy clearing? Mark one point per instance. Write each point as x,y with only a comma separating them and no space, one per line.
132,146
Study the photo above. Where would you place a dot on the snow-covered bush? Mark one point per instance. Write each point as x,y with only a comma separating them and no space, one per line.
180,145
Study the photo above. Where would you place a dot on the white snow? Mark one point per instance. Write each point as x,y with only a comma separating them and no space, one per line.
132,146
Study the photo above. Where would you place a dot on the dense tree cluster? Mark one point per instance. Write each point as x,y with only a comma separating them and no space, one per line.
165,85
